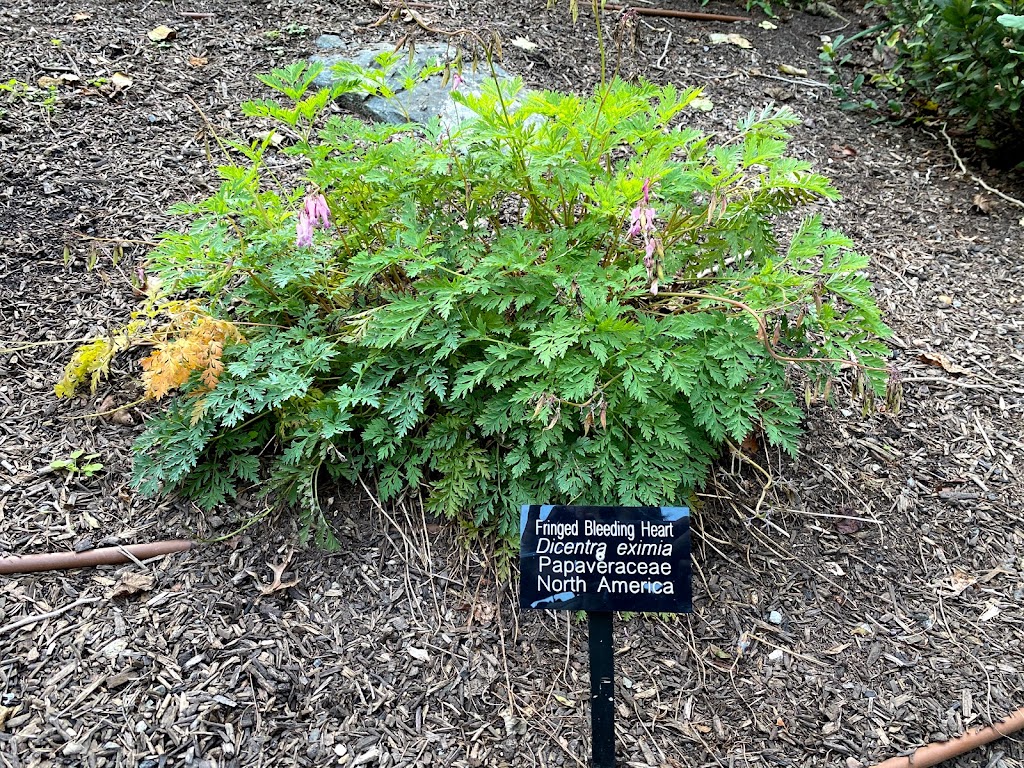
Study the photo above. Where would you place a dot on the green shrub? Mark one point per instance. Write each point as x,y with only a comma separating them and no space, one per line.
570,300
967,56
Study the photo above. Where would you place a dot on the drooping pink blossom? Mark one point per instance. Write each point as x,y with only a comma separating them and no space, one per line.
641,218
636,224
457,81
314,215
642,224
319,213
304,230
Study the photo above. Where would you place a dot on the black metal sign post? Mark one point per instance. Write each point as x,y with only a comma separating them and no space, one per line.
602,688
601,560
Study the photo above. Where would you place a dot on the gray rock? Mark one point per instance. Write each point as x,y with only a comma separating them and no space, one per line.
428,99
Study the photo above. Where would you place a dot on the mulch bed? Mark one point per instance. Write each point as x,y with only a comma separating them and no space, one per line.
869,602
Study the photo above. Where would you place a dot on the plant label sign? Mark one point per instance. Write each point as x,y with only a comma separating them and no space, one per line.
605,558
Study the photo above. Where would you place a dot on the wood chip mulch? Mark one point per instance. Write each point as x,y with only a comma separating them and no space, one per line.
868,602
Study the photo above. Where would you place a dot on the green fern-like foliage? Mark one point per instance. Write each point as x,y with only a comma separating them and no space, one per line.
480,324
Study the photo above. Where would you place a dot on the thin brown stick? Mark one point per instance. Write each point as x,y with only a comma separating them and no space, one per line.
664,52
47,343
100,414
784,649
43,616
116,240
940,751
673,14
426,25
971,176
428,6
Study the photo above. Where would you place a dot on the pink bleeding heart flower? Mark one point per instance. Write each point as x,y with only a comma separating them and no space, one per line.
652,247
457,81
304,231
641,223
314,215
319,213
641,218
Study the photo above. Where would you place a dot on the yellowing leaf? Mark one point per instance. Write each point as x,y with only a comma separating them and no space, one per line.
719,652
730,39
767,25
982,203
197,345
120,81
786,69
702,104
959,581
939,360
524,44
273,138
162,33
90,361
55,82
132,583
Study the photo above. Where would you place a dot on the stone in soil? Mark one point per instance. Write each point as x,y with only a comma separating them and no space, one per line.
430,98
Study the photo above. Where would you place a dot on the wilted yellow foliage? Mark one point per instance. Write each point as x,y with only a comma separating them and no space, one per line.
191,341
92,360
195,342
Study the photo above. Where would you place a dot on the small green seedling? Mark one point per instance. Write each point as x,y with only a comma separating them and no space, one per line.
293,29
19,91
78,463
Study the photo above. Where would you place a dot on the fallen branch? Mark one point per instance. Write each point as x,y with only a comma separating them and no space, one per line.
672,14
972,177
59,561
44,616
664,52
939,751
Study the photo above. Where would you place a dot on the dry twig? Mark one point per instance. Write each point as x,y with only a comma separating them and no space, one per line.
44,616
673,14
972,177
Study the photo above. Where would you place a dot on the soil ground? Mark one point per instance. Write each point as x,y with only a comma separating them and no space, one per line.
871,601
